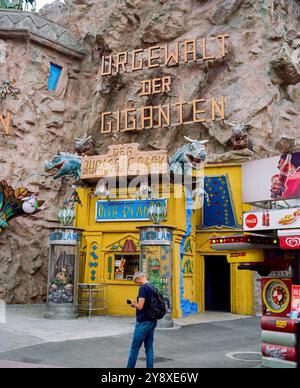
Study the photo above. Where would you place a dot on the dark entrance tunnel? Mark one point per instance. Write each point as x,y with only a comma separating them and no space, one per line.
217,284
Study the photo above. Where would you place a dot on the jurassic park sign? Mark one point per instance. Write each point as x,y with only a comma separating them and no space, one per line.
124,160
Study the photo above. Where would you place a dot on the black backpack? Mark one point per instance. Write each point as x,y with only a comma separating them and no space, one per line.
157,307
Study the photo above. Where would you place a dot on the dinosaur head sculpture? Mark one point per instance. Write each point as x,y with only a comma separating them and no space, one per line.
85,145
63,164
188,157
195,152
239,138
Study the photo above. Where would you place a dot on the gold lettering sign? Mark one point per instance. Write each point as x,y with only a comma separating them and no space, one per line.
163,56
124,160
134,119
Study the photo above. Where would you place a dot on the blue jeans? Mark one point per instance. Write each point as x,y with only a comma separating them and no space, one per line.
143,332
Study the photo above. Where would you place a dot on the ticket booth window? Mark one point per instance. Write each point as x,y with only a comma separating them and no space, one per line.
126,265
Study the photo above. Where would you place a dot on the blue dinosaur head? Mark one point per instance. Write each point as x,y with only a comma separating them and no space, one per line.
195,152
64,164
189,157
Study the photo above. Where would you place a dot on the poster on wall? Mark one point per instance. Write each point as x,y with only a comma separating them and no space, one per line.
272,179
295,305
272,219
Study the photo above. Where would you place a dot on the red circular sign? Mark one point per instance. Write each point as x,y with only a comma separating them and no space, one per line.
251,221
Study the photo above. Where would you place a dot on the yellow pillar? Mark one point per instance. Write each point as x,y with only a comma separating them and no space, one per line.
176,310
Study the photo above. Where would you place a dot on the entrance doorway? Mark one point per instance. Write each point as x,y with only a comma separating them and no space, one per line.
217,284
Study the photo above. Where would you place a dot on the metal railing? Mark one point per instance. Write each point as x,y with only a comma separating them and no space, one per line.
92,298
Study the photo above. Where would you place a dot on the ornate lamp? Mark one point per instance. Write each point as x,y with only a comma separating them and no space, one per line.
102,189
144,191
66,214
157,212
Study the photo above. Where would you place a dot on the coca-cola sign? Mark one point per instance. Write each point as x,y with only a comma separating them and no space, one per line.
272,219
251,221
272,179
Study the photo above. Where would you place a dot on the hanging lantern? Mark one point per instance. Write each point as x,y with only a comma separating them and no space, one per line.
102,189
144,191
157,212
66,214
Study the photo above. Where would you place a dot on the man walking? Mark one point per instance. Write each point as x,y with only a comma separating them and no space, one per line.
144,328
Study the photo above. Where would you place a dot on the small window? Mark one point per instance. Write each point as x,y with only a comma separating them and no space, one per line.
55,71
126,266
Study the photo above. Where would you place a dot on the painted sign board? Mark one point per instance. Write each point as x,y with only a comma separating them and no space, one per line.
124,160
156,235
271,179
127,210
279,351
218,209
289,239
276,296
272,219
67,237
280,324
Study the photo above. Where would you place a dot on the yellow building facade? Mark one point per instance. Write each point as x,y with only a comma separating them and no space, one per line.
202,279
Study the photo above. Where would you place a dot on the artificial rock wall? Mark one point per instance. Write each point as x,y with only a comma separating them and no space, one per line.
42,123
259,76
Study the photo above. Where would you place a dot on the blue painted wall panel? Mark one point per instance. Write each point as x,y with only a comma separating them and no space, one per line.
55,72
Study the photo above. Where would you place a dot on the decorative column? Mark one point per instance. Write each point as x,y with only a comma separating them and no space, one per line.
156,263
63,272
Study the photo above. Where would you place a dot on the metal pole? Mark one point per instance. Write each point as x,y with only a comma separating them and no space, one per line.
106,289
90,299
